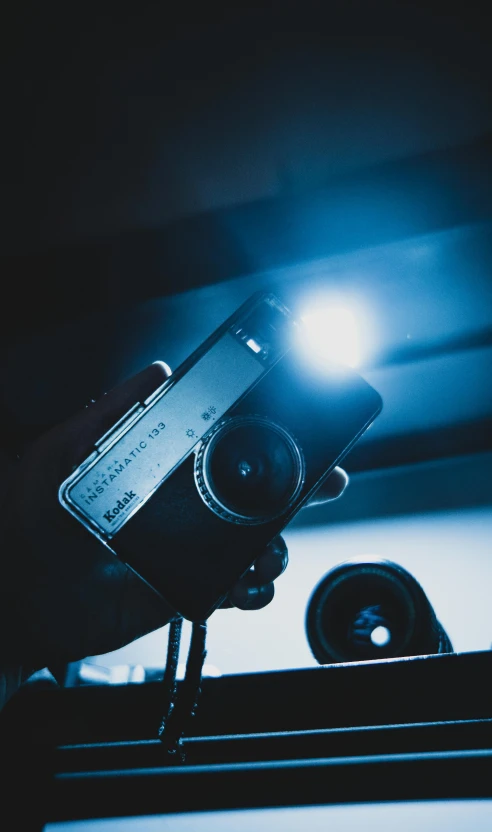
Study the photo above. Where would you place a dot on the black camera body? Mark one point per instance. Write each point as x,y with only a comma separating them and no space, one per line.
191,485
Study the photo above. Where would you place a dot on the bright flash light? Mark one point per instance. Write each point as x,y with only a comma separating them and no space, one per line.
332,335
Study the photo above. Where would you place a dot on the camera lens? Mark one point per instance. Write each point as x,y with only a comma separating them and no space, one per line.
371,609
251,470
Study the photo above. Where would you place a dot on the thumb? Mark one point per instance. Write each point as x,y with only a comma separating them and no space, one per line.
72,441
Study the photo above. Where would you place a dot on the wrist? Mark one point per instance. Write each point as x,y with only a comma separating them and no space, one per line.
11,679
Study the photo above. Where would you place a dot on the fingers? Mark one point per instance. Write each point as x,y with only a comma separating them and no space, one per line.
332,488
272,562
255,589
249,594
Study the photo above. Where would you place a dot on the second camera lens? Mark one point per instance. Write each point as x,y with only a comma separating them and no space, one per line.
371,609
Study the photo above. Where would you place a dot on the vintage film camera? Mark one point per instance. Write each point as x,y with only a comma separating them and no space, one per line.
190,486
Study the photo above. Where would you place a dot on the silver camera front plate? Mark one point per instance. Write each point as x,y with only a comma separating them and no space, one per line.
142,450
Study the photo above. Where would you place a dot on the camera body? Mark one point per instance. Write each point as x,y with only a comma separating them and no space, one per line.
190,486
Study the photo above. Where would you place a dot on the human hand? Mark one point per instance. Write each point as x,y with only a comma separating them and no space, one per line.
68,596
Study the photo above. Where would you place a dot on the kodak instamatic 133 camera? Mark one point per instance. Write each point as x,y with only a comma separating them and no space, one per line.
191,485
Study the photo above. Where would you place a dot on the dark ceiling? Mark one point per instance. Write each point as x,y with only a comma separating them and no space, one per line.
158,168
132,119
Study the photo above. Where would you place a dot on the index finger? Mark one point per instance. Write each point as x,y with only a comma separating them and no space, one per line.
331,489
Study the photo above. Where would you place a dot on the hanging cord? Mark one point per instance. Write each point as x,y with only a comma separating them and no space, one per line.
181,706
169,680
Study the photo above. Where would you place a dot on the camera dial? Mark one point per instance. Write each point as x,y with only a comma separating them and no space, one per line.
249,470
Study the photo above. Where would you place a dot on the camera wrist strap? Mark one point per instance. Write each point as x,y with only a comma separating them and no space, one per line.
180,703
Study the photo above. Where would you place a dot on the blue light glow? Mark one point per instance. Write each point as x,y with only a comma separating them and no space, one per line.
332,334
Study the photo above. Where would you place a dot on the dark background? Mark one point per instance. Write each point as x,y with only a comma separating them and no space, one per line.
160,163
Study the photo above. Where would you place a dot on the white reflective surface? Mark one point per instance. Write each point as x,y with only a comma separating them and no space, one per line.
430,816
449,553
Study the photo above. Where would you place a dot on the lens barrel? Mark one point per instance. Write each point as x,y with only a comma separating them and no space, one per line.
371,609
249,470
